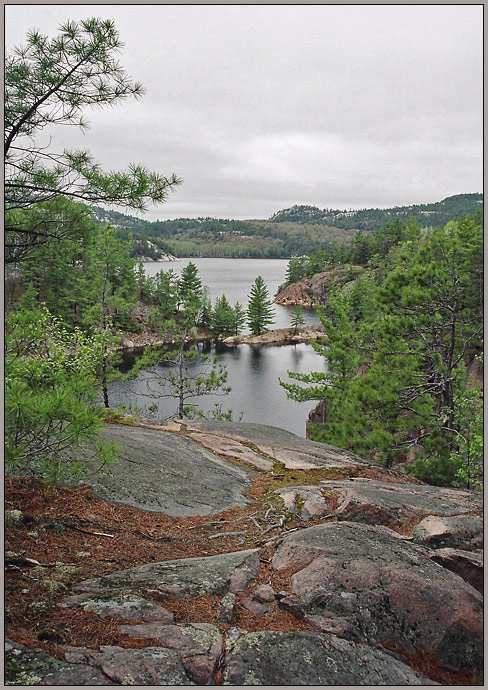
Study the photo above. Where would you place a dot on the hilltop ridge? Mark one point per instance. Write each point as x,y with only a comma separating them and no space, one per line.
289,232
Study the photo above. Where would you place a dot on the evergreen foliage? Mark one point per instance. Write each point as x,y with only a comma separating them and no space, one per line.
182,374
296,318
260,312
223,316
50,385
397,346
190,288
51,81
239,318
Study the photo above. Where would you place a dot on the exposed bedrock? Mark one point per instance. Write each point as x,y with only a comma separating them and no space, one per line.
168,473
368,584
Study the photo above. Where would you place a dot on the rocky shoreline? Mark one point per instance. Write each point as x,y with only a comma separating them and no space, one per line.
279,336
313,291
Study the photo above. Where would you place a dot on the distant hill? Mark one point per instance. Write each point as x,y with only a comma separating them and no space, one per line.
438,213
290,232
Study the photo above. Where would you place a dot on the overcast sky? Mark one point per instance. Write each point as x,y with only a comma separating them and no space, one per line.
260,107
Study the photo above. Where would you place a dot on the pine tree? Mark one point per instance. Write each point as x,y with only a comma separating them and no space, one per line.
222,316
50,385
239,318
50,82
260,312
190,288
296,319
185,374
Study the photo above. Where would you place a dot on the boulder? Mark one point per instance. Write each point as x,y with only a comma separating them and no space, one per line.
458,531
184,577
228,609
296,658
265,594
392,504
370,585
254,606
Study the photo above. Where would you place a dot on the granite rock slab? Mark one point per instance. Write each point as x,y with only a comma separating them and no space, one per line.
33,666
168,473
279,445
296,658
371,586
147,666
198,645
457,531
124,606
392,504
182,578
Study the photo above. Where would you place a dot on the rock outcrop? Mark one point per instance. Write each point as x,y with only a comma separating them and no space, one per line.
315,290
152,474
368,584
279,336
379,580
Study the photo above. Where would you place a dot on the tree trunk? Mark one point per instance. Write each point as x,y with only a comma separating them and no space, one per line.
104,383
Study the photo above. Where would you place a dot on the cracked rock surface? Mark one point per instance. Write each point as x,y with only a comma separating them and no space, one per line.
335,597
372,585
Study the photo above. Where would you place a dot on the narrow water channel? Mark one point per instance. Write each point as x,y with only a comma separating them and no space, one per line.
253,371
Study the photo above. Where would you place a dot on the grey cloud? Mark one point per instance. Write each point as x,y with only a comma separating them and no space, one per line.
260,107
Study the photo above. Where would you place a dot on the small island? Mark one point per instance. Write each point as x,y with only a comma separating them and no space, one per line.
279,336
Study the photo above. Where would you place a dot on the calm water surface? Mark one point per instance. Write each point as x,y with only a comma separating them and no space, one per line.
253,372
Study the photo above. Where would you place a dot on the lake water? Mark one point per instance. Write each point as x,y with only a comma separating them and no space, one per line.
253,371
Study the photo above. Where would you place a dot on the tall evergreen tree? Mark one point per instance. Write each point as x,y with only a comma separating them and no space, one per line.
222,316
190,288
396,380
260,312
239,318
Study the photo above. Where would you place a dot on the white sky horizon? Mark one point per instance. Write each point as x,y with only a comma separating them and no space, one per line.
262,107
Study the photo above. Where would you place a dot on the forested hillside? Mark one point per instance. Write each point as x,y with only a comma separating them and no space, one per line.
291,232
428,215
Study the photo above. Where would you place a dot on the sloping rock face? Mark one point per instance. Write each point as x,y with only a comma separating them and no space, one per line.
384,585
273,444
148,666
168,474
184,577
458,531
466,564
30,666
447,512
293,658
370,585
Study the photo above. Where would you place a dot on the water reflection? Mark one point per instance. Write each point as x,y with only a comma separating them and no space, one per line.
253,374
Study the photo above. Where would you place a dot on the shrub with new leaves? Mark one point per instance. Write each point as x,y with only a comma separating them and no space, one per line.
50,385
